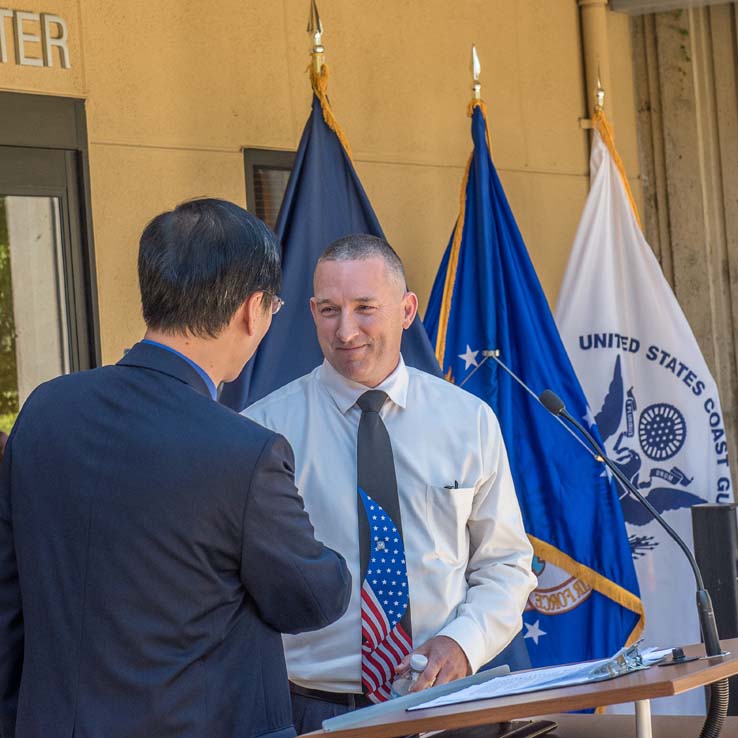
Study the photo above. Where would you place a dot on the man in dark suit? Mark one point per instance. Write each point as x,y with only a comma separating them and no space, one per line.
153,546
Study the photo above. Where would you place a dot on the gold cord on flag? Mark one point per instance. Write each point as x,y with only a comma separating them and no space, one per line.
470,111
453,259
603,127
319,76
451,267
319,81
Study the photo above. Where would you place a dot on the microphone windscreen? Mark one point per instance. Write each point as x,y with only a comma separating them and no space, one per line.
551,401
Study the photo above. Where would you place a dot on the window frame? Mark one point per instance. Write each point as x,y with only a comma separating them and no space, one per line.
267,159
51,134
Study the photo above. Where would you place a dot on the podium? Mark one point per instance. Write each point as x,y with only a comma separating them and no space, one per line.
639,687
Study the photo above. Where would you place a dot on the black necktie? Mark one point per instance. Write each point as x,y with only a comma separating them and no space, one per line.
385,603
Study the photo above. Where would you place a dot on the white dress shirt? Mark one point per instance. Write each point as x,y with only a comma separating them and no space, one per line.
468,558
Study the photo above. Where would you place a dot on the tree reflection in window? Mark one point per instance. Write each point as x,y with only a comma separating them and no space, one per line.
8,366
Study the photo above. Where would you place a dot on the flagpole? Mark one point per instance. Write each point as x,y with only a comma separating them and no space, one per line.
476,70
593,14
319,76
315,29
599,105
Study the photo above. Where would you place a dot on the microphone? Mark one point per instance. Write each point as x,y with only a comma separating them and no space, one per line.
552,402
555,406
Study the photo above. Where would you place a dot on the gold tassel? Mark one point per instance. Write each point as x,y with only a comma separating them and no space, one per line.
602,126
319,82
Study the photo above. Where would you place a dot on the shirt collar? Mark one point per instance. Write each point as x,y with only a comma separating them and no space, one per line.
203,374
345,392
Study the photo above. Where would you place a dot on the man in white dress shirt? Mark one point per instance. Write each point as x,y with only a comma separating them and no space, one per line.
468,558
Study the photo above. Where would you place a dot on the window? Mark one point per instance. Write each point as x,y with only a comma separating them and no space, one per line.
48,310
34,340
267,174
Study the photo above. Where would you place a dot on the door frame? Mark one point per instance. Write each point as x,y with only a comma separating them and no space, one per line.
51,134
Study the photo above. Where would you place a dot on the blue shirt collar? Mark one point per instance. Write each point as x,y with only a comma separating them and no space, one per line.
203,374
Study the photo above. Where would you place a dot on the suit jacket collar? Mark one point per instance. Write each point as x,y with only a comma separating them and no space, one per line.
146,356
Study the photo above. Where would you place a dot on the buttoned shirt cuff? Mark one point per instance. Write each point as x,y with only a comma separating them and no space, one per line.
472,640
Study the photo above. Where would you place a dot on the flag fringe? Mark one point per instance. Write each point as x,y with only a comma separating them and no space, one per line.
453,259
319,82
597,581
603,127
453,263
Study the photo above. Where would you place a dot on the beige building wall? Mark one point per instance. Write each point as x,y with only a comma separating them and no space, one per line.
176,88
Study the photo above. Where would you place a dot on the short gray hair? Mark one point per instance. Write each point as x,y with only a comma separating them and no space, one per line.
360,246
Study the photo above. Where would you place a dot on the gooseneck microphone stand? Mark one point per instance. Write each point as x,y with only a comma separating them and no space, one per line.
718,707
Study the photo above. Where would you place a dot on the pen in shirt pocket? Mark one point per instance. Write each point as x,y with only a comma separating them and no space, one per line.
454,486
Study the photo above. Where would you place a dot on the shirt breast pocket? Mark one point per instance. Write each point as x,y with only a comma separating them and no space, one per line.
448,512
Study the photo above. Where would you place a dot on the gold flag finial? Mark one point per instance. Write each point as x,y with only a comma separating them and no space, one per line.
315,29
476,69
599,93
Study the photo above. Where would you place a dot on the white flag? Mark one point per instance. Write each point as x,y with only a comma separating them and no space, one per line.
652,395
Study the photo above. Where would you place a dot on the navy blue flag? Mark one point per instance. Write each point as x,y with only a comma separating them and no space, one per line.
487,298
324,201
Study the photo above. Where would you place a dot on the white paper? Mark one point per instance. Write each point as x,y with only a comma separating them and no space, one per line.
539,679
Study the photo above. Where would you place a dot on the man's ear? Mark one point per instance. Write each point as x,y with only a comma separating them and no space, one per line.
314,309
252,312
410,307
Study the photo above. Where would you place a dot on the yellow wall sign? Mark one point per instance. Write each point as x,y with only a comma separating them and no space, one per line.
38,39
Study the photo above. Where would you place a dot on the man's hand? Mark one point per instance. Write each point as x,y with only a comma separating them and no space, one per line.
446,662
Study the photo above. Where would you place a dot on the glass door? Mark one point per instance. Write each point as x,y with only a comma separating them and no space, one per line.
44,293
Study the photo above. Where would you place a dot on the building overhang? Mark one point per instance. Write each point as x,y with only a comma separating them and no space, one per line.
640,7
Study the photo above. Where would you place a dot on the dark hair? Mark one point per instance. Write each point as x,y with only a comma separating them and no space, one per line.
359,246
199,262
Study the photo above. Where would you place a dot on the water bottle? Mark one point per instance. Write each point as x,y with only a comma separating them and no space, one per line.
401,685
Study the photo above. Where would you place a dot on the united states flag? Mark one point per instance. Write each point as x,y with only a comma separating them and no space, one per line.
384,600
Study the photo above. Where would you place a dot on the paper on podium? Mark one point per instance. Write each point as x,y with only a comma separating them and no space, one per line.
625,661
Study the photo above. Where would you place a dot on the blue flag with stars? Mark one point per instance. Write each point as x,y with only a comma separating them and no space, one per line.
487,298
324,201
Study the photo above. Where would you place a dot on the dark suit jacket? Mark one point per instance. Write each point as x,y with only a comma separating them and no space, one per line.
152,549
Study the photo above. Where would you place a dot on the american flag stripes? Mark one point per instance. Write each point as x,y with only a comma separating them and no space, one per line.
384,600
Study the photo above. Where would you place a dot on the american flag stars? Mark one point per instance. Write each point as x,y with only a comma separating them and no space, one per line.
384,641
384,560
